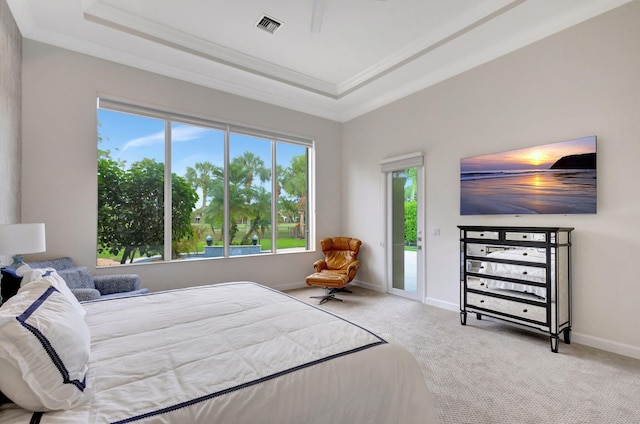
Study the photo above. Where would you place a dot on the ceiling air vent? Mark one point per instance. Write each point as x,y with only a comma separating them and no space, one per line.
268,24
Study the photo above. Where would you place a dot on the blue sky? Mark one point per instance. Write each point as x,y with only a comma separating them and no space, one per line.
537,157
132,138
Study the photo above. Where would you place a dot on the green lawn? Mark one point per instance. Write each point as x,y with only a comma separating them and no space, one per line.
284,241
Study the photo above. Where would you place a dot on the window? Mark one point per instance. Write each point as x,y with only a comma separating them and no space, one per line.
172,187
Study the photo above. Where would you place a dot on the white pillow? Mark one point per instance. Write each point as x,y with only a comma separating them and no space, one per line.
44,349
30,275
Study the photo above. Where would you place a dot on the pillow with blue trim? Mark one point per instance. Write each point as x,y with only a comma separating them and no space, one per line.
44,349
30,275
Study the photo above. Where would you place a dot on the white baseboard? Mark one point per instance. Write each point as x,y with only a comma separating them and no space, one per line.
604,344
442,305
364,285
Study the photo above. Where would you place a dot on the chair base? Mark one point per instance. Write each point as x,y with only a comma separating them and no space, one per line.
338,289
331,282
329,295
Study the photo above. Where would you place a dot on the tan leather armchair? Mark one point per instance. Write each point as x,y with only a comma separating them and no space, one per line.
338,268
341,256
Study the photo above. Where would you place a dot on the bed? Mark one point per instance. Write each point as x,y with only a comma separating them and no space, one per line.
533,274
235,353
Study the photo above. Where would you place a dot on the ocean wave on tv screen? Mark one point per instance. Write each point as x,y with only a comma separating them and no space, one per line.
482,175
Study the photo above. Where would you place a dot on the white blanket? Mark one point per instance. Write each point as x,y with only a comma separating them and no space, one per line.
238,353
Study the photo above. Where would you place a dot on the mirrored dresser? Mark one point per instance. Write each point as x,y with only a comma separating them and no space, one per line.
518,274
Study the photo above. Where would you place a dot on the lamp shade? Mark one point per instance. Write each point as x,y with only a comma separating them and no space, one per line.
19,239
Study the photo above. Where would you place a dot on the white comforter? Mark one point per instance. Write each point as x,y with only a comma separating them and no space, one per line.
238,353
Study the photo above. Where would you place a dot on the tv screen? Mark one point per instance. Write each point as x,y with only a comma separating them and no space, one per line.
556,178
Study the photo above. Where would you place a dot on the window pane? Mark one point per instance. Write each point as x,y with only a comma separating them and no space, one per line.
130,188
197,163
249,195
292,178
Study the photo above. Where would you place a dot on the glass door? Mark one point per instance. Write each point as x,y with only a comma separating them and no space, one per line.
405,232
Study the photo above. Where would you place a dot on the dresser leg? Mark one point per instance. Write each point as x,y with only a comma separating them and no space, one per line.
554,343
478,316
463,318
567,335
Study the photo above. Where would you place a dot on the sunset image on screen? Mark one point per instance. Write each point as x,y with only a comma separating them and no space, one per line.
550,178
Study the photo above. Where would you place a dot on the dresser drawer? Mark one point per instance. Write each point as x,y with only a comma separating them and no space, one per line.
519,272
510,307
476,249
477,284
522,236
488,235
507,288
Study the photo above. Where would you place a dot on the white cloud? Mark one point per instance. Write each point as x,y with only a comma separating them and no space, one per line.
186,133
179,133
147,140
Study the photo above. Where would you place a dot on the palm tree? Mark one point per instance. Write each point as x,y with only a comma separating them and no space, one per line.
294,181
247,168
201,177
253,166
260,211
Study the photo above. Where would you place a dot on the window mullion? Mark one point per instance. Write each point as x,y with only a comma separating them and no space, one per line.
168,200
274,197
225,173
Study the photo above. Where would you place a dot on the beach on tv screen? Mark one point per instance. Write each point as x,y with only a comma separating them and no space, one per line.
555,178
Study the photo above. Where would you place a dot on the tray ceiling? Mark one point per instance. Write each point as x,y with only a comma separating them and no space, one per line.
335,59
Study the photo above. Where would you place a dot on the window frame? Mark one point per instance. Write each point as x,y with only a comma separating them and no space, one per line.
108,103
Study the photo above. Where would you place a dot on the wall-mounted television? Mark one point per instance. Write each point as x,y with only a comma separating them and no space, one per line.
555,178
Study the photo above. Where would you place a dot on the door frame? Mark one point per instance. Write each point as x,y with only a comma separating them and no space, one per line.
388,166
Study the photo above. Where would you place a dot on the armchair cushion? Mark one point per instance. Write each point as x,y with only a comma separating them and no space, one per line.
109,284
77,277
339,259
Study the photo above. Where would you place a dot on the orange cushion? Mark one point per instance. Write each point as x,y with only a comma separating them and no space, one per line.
327,279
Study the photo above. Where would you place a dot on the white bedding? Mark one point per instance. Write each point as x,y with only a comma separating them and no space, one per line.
238,353
534,274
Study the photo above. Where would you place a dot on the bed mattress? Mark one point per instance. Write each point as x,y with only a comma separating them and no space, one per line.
238,353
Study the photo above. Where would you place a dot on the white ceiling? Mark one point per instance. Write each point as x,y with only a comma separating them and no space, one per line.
335,59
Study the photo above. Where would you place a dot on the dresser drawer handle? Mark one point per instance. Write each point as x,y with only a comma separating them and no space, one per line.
482,301
524,236
525,310
482,284
524,254
525,273
481,234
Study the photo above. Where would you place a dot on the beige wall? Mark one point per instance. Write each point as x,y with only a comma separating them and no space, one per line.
583,81
60,163
10,116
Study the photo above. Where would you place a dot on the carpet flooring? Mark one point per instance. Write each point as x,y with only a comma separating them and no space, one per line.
490,372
